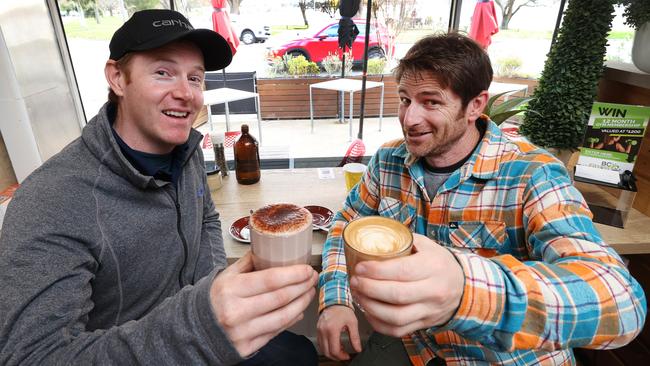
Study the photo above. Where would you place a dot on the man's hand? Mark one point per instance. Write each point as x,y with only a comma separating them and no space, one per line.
332,322
406,294
253,307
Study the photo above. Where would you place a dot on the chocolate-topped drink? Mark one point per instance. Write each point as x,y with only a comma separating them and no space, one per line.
375,238
281,235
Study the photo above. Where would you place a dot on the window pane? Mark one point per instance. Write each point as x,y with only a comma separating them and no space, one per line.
619,41
88,31
523,39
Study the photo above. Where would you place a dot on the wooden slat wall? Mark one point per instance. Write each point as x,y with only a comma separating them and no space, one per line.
289,99
617,92
532,83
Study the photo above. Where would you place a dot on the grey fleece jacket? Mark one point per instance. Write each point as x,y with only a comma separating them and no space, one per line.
102,265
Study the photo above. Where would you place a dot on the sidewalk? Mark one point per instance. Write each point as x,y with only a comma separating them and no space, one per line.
293,139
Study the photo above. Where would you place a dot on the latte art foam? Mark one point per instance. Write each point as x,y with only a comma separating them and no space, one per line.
377,239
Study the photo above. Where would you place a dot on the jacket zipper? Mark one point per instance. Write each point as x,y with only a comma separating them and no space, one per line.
180,233
182,236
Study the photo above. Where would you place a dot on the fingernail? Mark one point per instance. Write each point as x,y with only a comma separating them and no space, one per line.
360,268
354,281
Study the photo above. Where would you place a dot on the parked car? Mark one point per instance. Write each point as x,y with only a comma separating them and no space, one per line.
250,30
315,48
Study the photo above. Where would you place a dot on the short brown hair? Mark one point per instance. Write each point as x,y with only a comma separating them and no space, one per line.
455,60
122,64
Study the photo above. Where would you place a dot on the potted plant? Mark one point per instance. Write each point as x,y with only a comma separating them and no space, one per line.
569,81
637,16
500,112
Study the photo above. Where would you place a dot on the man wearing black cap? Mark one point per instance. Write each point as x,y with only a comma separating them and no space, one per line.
111,252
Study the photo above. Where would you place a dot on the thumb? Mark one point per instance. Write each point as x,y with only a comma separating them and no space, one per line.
242,265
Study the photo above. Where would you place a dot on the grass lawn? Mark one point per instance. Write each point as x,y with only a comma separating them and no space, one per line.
102,31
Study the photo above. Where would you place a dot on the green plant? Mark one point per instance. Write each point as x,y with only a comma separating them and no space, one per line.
299,66
277,66
333,61
637,12
376,66
569,81
508,108
508,66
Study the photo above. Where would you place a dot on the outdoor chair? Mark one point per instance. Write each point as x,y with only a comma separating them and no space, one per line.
232,93
246,81
230,138
355,153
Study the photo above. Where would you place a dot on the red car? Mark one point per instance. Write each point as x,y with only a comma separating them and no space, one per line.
325,41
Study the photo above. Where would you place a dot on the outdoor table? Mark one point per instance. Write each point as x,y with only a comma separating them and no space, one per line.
298,186
350,86
226,95
304,187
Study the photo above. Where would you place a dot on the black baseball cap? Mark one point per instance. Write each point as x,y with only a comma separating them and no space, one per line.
153,28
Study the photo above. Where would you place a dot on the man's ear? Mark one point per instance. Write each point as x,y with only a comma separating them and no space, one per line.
477,105
114,77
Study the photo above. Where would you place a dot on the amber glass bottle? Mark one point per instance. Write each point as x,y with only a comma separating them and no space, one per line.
247,158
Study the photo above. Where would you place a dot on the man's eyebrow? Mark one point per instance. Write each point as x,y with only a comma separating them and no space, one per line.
422,93
197,67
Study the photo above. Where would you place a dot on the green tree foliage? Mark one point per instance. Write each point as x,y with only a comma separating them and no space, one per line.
329,7
637,12
568,85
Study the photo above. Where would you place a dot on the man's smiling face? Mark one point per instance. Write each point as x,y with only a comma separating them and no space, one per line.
433,119
160,96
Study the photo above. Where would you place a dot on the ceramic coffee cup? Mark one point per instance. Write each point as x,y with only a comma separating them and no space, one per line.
375,238
281,235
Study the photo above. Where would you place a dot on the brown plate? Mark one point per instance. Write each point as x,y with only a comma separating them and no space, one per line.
322,215
240,230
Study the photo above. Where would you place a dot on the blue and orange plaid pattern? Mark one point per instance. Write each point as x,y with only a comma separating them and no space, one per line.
539,280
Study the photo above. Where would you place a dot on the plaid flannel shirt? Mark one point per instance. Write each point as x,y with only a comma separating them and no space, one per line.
539,280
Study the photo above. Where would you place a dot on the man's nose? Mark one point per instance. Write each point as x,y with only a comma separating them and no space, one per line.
413,115
183,90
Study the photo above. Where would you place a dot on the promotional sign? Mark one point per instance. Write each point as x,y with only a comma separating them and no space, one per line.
613,136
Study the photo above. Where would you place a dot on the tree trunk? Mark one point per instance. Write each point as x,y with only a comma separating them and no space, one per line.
234,6
303,10
504,22
96,8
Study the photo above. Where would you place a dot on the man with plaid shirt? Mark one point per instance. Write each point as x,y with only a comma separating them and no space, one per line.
507,268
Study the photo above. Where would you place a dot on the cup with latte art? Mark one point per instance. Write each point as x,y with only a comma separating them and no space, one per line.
375,238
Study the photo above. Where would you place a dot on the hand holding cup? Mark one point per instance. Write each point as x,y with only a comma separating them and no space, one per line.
406,294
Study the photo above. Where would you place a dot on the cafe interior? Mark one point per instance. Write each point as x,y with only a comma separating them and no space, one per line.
309,128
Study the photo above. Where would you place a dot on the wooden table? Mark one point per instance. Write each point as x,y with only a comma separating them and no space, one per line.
303,187
299,186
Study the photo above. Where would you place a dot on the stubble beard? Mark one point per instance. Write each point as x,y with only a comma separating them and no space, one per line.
441,144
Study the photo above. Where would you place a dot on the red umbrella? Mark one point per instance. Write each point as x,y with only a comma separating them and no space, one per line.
221,24
484,23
